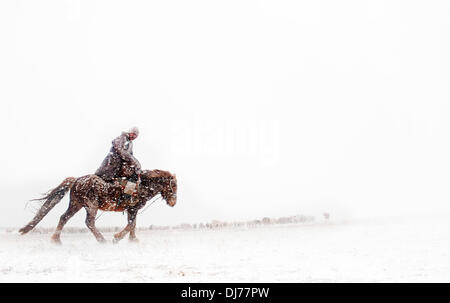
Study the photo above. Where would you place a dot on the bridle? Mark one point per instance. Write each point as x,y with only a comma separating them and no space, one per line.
172,194
168,193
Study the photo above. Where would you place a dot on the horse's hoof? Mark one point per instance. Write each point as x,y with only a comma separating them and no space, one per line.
133,240
101,241
115,240
56,241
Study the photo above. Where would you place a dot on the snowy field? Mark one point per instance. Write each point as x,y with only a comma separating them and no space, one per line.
375,251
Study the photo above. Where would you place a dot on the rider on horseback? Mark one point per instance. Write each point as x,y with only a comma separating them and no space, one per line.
120,162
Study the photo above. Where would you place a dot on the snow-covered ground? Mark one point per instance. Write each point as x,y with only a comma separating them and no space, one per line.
371,251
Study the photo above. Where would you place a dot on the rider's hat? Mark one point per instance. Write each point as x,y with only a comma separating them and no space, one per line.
134,130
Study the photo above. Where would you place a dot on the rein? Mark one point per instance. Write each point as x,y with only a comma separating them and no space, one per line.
156,200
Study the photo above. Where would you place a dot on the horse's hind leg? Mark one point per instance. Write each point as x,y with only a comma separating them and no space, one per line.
72,210
90,223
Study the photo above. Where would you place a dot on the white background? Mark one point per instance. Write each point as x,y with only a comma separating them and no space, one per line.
261,108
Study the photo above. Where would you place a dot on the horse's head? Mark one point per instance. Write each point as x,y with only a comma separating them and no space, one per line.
169,193
163,182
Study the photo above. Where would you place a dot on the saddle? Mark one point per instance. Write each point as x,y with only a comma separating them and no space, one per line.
125,190
128,187
123,194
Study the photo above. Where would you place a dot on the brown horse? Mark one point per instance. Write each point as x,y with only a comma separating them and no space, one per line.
92,193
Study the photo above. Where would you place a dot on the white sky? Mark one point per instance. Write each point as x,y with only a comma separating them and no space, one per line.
261,108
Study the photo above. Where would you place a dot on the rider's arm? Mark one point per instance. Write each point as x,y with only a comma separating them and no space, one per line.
118,145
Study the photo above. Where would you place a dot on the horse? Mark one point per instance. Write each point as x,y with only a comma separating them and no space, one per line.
93,193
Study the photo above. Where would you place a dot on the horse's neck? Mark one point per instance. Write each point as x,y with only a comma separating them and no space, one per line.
154,189
158,188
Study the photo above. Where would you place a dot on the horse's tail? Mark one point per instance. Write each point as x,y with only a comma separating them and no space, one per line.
51,199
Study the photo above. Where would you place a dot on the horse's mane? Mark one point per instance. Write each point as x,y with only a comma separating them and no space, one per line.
156,173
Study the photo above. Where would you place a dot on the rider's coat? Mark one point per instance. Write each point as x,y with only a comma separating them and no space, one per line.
121,153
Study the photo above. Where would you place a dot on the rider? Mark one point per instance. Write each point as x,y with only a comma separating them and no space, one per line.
120,157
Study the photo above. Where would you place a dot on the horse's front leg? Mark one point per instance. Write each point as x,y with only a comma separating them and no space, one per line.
133,237
130,226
